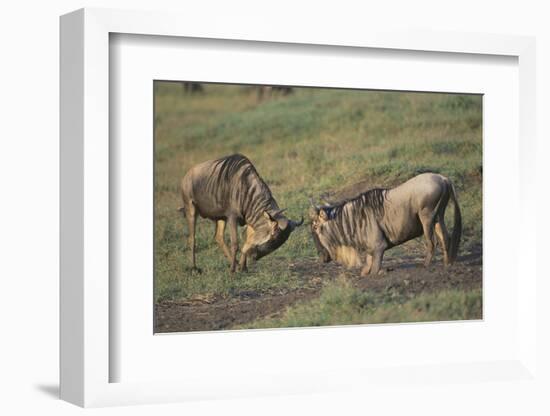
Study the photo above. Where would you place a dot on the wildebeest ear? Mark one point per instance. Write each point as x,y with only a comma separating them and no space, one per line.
268,217
323,214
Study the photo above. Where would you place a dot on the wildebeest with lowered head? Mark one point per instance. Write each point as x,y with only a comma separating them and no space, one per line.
229,191
379,219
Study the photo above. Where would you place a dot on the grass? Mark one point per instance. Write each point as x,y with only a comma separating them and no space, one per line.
339,303
304,144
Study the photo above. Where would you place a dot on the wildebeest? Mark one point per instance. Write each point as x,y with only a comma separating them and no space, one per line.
192,87
379,219
229,191
266,91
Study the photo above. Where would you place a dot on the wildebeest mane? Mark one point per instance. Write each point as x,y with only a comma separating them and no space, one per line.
227,167
373,199
251,191
351,215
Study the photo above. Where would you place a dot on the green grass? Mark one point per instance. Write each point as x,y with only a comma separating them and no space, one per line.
340,303
304,144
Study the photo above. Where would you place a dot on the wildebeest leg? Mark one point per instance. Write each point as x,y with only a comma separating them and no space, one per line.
246,247
191,214
244,254
220,229
366,268
427,221
232,223
444,239
377,256
242,262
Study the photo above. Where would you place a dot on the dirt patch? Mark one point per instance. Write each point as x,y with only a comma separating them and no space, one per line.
407,276
173,316
402,277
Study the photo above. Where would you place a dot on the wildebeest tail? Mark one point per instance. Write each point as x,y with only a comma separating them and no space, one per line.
457,228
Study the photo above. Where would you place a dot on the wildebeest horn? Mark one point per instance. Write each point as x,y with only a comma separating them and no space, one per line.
312,202
278,212
295,224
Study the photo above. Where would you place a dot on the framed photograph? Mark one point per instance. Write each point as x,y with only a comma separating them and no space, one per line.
365,168
264,213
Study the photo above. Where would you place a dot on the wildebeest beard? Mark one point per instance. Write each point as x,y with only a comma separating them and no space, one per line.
324,255
270,245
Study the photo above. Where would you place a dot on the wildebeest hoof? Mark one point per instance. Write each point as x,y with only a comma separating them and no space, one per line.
374,274
196,270
243,269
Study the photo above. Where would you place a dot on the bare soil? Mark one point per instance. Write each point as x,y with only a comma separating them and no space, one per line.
403,276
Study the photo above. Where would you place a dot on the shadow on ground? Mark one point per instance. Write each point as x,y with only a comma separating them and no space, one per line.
51,390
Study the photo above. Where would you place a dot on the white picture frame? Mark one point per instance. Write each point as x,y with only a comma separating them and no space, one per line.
86,356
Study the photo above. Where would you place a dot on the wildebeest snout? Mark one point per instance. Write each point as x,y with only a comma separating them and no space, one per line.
281,228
